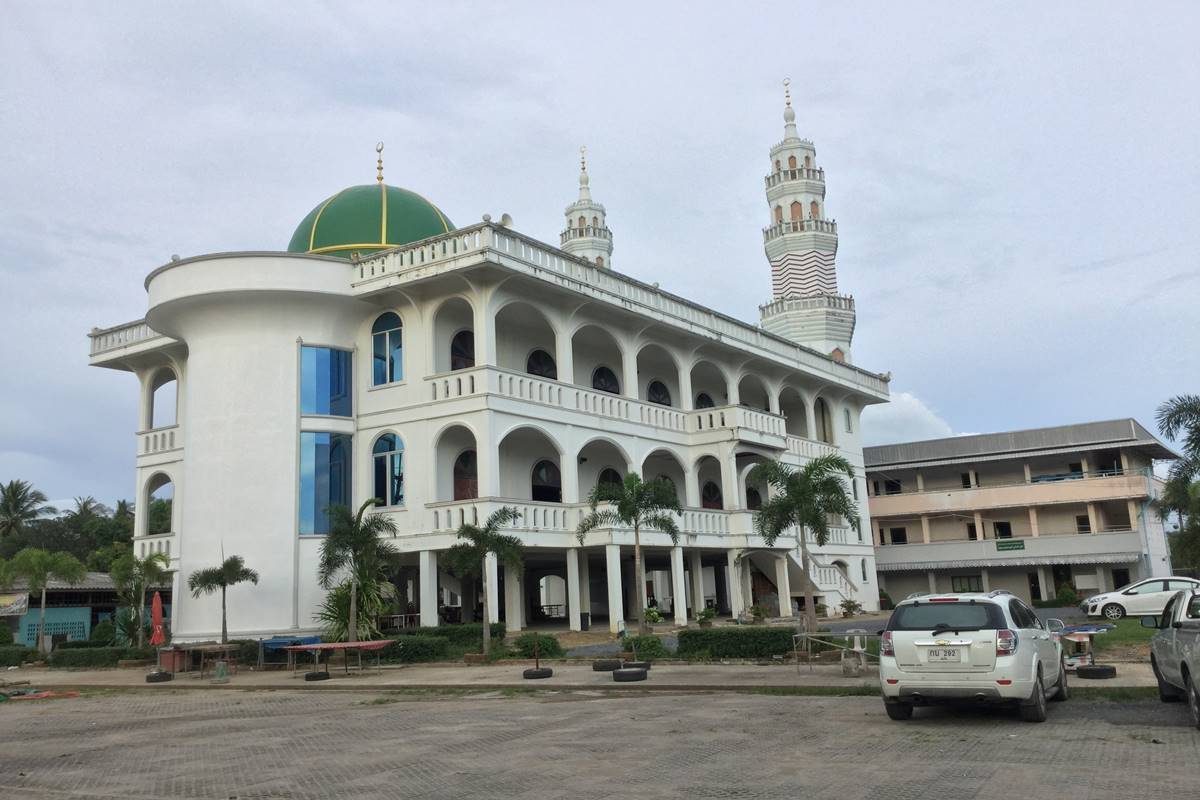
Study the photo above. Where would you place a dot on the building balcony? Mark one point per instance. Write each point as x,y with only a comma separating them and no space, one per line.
586,232
1071,548
122,341
1038,492
164,543
798,174
160,445
800,226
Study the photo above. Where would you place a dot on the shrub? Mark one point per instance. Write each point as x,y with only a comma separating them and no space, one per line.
738,642
86,657
142,654
412,649
758,612
647,647
850,607
885,601
548,646
653,615
5,636
15,655
103,632
706,613
80,644
469,634
1067,596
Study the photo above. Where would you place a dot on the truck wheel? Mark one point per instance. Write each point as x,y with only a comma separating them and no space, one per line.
534,674
1034,709
1061,692
1095,671
1166,692
898,711
1113,611
1193,700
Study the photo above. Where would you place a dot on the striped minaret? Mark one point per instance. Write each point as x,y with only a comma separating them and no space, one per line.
801,244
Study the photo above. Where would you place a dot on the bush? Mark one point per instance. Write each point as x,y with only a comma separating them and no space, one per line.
652,615
706,613
80,644
885,601
15,655
103,632
86,657
5,636
850,607
548,646
412,649
647,647
739,642
468,634
758,612
1067,596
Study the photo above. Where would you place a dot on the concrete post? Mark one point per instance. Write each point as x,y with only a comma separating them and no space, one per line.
1033,521
514,601
747,585
1135,521
925,528
920,482
987,584
980,531
585,584
569,475
491,568
564,355
1102,583
1093,518
783,585
1028,473
629,370
686,400
932,578
678,587
427,559
974,477
573,597
697,583
733,574
1046,583
616,615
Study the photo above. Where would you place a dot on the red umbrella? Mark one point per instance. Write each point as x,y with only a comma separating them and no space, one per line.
158,634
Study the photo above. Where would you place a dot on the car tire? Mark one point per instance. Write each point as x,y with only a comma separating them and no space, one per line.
1034,709
1193,699
898,711
1095,671
1061,690
1166,692
533,674
606,664
316,676
628,675
1113,611
159,677
636,665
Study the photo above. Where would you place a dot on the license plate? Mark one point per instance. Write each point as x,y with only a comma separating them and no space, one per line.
943,654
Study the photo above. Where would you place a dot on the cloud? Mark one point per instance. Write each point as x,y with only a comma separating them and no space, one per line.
905,419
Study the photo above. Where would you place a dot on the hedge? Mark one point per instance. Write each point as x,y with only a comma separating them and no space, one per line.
736,642
647,647
412,649
548,646
15,655
87,657
6,637
467,633
80,644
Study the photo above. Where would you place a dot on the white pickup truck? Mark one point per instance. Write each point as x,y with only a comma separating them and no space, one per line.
1175,650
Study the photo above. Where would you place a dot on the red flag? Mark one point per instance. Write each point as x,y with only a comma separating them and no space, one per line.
158,634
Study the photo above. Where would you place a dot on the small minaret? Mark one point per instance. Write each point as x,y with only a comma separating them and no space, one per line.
587,234
801,244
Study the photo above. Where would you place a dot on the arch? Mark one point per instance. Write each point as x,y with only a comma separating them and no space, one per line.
796,211
541,364
599,261
778,214
582,223
838,355
545,482
711,496
710,481
746,462
595,222
462,350
593,347
466,475
522,330
662,463
791,162
709,379
387,469
522,449
656,364
704,400
808,162
609,476
753,392
450,443
597,455
777,165
453,318
387,349
753,498
605,380
163,398
814,210
158,496
822,421
794,410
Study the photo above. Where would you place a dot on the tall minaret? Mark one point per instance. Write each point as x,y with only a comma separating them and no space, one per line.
587,234
801,244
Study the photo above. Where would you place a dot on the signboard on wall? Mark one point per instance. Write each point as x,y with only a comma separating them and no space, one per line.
13,605
1010,544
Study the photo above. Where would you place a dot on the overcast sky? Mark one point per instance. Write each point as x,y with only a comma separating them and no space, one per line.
1017,188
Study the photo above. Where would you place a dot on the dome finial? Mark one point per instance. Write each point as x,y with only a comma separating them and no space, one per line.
379,162
789,113
584,193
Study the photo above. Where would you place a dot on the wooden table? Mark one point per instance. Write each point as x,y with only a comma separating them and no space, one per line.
209,653
376,645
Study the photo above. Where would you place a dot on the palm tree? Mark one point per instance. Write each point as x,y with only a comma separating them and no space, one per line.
39,567
804,498
21,504
468,558
88,507
1179,419
353,544
638,504
232,571
133,576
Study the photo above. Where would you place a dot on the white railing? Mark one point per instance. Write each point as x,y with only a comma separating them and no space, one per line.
160,440
808,448
154,543
448,515
122,336
732,417
799,226
795,174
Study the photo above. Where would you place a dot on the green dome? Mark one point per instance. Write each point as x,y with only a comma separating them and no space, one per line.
366,219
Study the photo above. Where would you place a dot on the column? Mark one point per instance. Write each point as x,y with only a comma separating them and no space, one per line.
920,482
1033,521
1102,582
1028,473
974,477
427,559
491,567
686,400
1087,466
564,355
678,587
747,585
1125,461
730,485
733,573
629,376
616,617
484,330
925,529
569,474
1135,518
932,578
514,601
1046,583
573,598
1093,518
979,529
987,584
697,583
783,585
585,585
691,489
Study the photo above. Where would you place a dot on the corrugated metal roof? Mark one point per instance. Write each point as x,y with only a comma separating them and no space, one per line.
1035,441
1031,561
92,582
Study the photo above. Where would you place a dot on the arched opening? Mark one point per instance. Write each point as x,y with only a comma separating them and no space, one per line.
388,463
552,597
545,483
796,211
710,495
387,349
704,400
752,492
808,162
658,375
600,461
778,214
752,393
823,422
709,386
525,340
663,464
582,223
791,162
454,336
596,357
457,465
791,405
529,466
595,222
708,478
164,399
777,165
814,210
466,476
753,499
160,495
609,477
599,261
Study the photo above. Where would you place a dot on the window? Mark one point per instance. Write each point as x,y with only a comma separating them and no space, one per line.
899,535
1149,587
462,350
324,478
965,477
1075,467
1003,530
542,364
864,571
891,487
325,382
972,534
546,483
1168,612
854,488
1179,586
1022,617
710,496
609,476
1083,524
920,616
849,423
387,348
388,455
657,392
1120,577
753,499
605,380
966,583
704,400
466,476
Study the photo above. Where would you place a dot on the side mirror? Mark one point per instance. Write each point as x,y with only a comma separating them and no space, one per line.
1150,622
1054,625
879,632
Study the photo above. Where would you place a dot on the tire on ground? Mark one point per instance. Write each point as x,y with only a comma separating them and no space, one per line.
628,675
1096,671
316,676
898,711
606,664
533,674
159,677
637,665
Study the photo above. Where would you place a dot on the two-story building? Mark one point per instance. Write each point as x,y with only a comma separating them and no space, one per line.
447,372
1027,511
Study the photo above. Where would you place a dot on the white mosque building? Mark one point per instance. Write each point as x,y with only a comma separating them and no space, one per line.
449,371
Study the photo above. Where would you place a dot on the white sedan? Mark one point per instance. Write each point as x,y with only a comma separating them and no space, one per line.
1146,597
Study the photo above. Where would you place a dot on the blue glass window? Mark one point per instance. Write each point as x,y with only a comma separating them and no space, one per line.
325,386
389,470
324,478
387,347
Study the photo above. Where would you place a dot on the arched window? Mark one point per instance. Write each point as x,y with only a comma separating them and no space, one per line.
753,499
466,480
791,162
542,364
778,214
666,479
864,571
814,210
605,380
777,165
462,350
807,162
796,210
387,347
546,483
609,476
389,470
710,496
704,400
599,261
824,424
595,222
657,392
582,223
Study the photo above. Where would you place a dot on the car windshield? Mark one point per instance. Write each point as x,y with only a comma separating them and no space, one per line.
947,616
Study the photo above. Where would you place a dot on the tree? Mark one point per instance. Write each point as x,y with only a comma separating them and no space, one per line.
39,567
637,504
133,576
21,504
468,558
232,571
353,545
1179,419
804,499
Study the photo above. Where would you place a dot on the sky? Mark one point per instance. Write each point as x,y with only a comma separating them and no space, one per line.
1017,187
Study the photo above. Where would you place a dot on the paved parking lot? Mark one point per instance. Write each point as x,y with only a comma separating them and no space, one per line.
228,744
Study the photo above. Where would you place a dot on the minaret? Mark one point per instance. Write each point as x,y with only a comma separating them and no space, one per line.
587,234
801,244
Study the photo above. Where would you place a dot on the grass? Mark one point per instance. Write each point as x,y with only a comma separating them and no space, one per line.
1129,631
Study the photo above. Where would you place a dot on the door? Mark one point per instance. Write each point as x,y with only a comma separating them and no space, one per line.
1163,643
1031,628
1147,597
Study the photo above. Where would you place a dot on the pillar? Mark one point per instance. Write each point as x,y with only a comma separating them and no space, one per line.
974,477
1046,583
427,559
564,356
1102,582
491,567
920,482
1087,466
678,587
573,597
514,601
1028,473
730,485
585,584
932,578
686,400
925,529
1135,518
980,532
484,331
630,579
569,474
747,585
783,585
616,616
983,576
1033,520
1093,518
629,372
691,489
733,576
697,583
